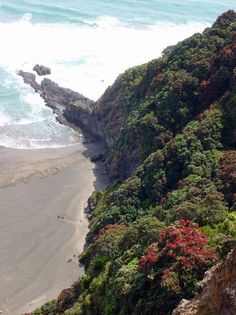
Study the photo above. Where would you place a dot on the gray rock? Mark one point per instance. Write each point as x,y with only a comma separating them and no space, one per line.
102,120
69,105
29,78
91,205
55,95
99,157
41,70
109,113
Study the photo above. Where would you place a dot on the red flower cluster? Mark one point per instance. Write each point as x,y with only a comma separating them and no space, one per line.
201,116
182,246
213,106
227,167
180,182
233,34
150,257
163,200
159,156
103,230
207,87
229,51
159,77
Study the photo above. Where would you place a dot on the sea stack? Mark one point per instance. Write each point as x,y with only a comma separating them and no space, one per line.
41,70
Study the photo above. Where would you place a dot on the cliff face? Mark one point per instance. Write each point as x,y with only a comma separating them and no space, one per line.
104,119
217,291
101,121
70,106
170,129
109,113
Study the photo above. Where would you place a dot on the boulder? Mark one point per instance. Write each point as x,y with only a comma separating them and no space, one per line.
29,78
42,70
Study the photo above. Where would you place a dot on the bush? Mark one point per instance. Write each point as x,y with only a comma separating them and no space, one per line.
178,261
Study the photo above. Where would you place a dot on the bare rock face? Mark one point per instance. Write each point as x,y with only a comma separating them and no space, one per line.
29,78
80,113
217,292
92,203
109,113
102,120
42,70
55,95
68,105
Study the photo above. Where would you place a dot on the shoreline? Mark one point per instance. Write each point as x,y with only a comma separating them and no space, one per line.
43,194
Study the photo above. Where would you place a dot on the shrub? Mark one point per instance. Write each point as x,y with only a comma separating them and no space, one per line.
179,259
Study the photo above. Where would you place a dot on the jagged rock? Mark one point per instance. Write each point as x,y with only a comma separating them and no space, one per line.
102,120
217,291
91,205
100,157
29,78
109,113
41,70
55,96
80,112
69,105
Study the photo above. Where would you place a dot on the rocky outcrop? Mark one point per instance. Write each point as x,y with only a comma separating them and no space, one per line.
102,120
55,95
91,205
217,291
41,70
29,78
80,113
109,113
68,105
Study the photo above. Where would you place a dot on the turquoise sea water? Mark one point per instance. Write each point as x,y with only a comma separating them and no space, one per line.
128,11
87,43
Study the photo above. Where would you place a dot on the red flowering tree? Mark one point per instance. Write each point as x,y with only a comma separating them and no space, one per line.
104,229
179,259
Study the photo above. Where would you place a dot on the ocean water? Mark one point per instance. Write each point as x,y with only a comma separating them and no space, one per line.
86,43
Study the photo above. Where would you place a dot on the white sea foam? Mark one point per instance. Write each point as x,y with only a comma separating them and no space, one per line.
30,143
4,118
86,58
25,121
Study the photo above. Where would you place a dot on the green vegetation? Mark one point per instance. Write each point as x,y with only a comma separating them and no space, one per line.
170,211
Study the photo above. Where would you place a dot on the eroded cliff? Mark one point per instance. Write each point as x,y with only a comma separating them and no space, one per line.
217,292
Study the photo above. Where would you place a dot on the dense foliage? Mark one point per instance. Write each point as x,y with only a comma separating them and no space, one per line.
174,264
169,213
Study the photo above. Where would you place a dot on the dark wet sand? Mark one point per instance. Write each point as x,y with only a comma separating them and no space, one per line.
38,250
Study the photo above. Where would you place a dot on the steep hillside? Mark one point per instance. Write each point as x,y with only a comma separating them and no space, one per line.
170,129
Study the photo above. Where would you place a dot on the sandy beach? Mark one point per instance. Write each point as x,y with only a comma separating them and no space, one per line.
42,223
